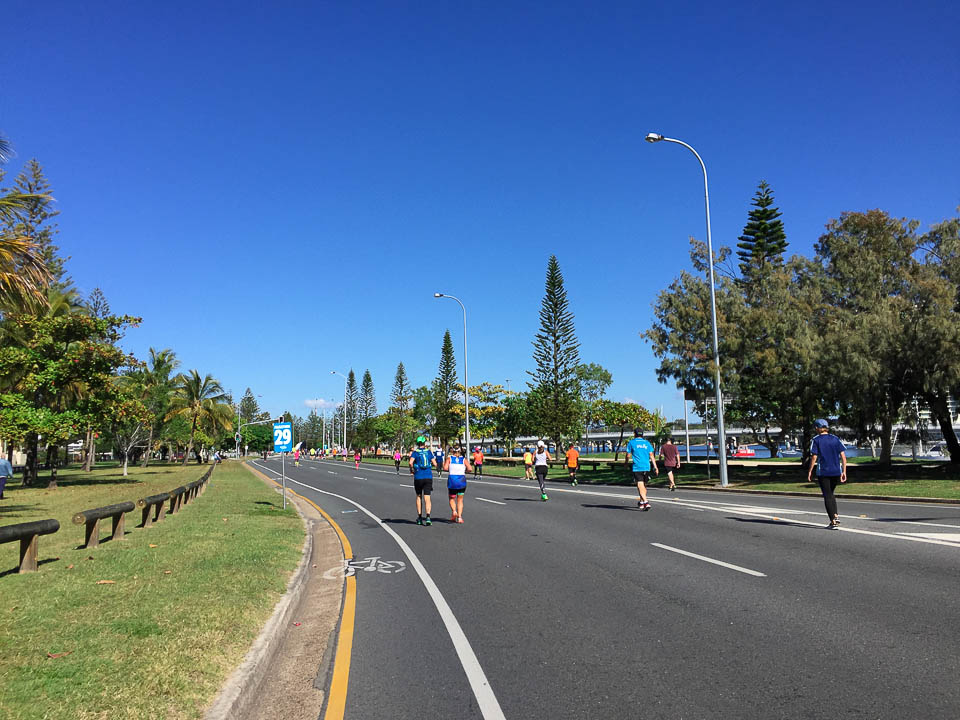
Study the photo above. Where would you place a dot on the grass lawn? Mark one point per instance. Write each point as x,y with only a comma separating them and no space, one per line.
906,479
187,597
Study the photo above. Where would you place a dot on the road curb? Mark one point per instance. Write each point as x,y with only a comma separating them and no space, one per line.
240,690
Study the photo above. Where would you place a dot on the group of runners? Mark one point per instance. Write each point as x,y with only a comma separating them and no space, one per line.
828,457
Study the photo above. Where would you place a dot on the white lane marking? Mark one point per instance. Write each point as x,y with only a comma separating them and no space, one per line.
403,485
952,537
482,691
728,507
721,563
331,472
927,524
495,502
356,477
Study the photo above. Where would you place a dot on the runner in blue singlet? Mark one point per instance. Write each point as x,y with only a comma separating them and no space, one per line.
457,467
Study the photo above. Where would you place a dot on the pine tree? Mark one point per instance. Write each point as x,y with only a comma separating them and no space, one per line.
353,402
97,304
249,408
764,240
554,396
402,393
368,399
446,423
35,222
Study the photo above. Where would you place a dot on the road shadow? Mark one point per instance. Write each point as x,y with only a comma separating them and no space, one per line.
16,571
523,499
608,507
398,521
913,519
762,521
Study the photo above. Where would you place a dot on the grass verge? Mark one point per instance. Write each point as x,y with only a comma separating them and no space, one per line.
187,598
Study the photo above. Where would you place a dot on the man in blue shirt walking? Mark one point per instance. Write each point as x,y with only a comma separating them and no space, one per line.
827,454
640,451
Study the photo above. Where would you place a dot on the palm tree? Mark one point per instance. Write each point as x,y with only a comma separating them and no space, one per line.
157,387
23,274
199,399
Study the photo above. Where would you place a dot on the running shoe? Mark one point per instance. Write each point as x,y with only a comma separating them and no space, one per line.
419,520
427,521
453,518
672,488
646,506
640,504
834,525
459,518
544,497
836,520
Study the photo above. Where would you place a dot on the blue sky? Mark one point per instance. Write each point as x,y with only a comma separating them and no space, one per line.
279,188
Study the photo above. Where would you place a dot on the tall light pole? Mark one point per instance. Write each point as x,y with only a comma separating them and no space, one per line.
721,434
334,372
466,381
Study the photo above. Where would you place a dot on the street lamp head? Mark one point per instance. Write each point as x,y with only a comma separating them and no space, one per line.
438,294
654,137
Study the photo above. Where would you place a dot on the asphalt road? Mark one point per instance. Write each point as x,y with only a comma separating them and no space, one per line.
586,607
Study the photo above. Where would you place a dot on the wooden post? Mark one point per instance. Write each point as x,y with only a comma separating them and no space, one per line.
93,534
118,523
146,520
161,511
28,553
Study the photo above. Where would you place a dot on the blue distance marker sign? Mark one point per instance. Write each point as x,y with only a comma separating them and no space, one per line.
283,437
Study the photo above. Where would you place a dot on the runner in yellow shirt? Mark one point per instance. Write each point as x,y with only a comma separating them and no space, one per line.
528,464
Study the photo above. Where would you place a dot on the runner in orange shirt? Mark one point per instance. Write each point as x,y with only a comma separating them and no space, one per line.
573,461
478,462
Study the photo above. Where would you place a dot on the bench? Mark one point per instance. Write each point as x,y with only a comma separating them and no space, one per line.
28,533
91,518
155,503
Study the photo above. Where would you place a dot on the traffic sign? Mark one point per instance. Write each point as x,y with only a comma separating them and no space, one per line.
282,437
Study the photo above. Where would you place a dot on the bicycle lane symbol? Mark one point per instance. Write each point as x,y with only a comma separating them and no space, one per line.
370,564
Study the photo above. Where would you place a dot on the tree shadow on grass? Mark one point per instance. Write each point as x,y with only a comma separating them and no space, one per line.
14,511
16,571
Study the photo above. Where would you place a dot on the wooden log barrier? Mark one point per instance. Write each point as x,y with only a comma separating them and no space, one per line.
28,533
155,503
91,518
176,499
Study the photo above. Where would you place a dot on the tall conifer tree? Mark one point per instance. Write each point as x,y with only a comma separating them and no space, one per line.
764,240
353,401
554,397
446,424
368,399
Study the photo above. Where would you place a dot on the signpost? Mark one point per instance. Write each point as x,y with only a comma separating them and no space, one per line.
283,443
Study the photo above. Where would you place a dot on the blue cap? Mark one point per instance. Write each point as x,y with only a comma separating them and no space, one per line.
821,423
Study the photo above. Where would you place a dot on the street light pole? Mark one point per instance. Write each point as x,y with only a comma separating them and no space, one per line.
466,381
721,434
334,372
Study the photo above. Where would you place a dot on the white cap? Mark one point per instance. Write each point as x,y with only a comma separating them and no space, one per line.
539,443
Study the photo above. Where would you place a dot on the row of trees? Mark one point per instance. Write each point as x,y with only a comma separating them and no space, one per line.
63,376
564,396
863,331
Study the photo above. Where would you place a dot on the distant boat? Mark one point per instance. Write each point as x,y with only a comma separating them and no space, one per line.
744,451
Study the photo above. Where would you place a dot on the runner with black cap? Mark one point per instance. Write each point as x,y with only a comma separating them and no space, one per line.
421,464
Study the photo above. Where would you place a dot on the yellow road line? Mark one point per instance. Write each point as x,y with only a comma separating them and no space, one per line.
337,696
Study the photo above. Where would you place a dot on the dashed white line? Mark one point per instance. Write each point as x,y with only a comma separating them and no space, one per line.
403,485
331,472
357,477
486,699
721,563
495,502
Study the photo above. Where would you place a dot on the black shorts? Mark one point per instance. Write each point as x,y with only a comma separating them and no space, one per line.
454,493
423,487
641,476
